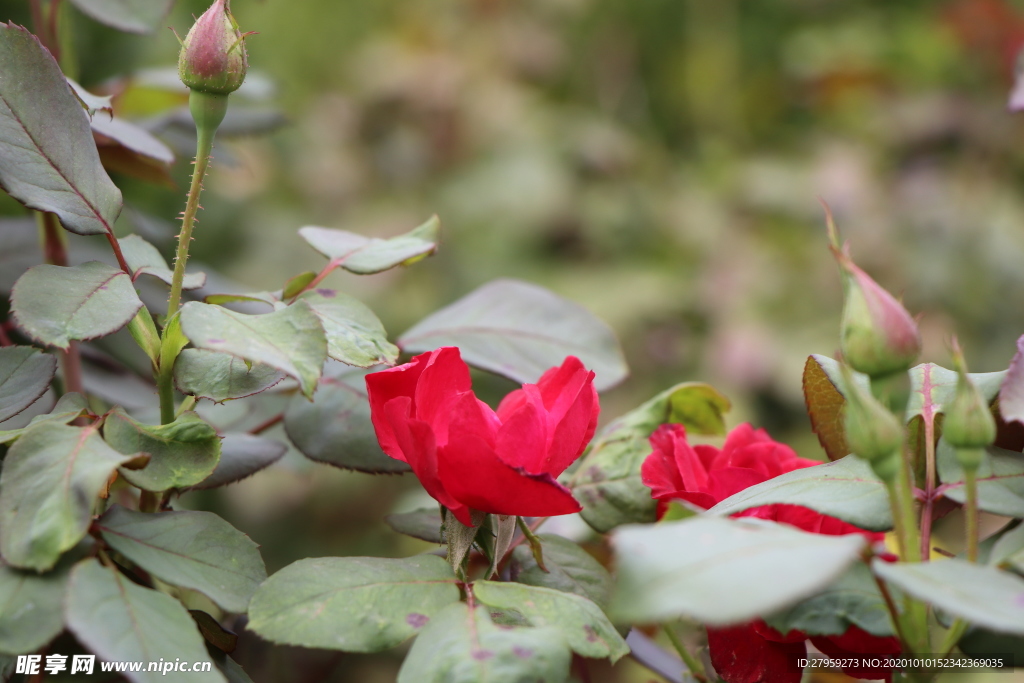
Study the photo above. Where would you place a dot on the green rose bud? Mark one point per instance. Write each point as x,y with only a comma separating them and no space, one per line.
213,58
969,425
872,431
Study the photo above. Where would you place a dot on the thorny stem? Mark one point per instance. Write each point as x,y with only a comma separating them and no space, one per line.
688,659
57,255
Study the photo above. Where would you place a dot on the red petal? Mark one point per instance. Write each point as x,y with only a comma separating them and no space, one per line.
768,633
385,385
522,438
658,471
445,377
740,655
573,431
858,642
728,481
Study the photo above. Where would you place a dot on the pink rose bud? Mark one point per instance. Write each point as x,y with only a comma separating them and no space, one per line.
213,58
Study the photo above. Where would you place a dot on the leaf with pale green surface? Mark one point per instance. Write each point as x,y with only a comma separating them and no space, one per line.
581,622
134,16
845,488
90,102
607,480
423,524
1008,551
982,595
461,645
220,376
55,304
366,255
25,375
335,428
1000,479
722,571
48,160
355,604
33,606
520,330
69,407
184,452
354,334
241,456
51,478
291,339
933,386
122,621
196,550
144,259
570,569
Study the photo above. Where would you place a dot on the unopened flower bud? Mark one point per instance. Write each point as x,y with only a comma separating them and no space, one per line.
872,431
213,58
969,425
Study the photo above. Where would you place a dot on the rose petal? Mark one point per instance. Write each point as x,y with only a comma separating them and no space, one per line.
740,655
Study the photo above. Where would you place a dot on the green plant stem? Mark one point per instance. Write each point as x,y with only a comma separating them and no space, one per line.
688,659
165,390
905,496
971,513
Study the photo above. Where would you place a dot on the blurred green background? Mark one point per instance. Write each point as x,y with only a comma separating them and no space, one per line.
658,161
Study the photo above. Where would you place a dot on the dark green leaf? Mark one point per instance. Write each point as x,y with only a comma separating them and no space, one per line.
213,633
134,16
356,604
220,376
570,569
366,255
291,340
55,305
51,479
184,452
984,596
422,524
144,259
196,550
354,334
335,428
722,571
25,374
230,668
464,646
121,621
846,489
48,160
607,480
582,623
33,607
520,330
1000,479
241,456
982,643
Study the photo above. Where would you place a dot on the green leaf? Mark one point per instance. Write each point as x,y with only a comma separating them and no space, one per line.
570,569
55,305
367,255
607,480
933,387
134,16
846,489
1008,551
1000,479
297,284
335,428
983,643
69,407
823,394
91,102
354,334
122,621
241,456
423,524
722,571
291,340
230,668
582,623
144,332
33,607
25,375
853,600
196,550
356,604
48,159
520,330
183,452
51,479
220,376
984,596
464,646
144,259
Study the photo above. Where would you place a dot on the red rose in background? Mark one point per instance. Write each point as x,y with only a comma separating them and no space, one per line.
704,476
470,457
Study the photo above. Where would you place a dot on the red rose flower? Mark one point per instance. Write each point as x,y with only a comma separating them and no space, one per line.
469,457
704,476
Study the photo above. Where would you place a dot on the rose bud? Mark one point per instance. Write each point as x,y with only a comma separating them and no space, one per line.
969,425
872,431
213,58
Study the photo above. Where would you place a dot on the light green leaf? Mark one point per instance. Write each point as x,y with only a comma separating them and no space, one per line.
1000,479
55,305
25,374
183,452
69,407
607,480
144,259
90,102
423,524
520,330
220,376
464,646
354,334
933,385
582,623
570,569
335,428
33,607
196,550
241,456
134,16
291,340
356,604
48,159
1008,551
984,596
846,489
722,571
366,255
51,479
121,621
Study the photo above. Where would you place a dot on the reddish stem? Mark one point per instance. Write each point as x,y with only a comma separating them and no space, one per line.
56,254
266,424
928,413
118,255
4,339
